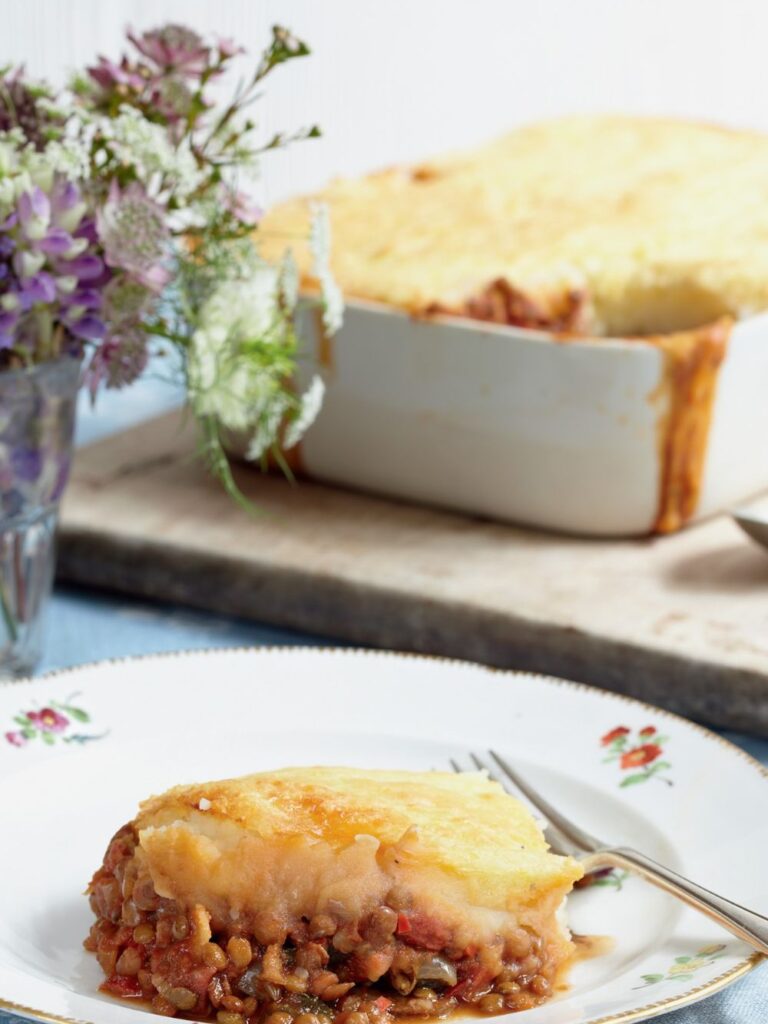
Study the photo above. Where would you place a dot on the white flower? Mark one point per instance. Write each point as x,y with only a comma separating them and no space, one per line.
311,403
70,157
267,430
320,243
146,146
289,280
225,382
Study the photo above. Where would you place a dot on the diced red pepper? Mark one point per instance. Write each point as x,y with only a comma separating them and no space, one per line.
382,1003
423,932
124,986
403,925
180,968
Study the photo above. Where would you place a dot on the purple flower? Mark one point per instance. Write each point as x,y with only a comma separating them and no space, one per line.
57,242
173,48
16,739
134,235
87,327
8,323
34,206
50,260
40,287
85,268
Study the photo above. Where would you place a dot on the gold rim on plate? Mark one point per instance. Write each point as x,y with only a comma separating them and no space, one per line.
623,1017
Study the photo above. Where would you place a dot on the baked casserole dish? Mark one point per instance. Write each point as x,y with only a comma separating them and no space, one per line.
332,894
573,310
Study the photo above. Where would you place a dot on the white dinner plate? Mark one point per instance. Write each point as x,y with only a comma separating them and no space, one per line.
79,750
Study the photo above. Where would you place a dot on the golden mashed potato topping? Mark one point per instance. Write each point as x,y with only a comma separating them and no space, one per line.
602,225
320,883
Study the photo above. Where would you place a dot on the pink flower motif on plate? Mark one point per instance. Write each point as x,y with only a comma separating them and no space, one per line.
57,721
48,720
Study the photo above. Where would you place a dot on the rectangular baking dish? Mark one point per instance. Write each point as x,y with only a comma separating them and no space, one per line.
599,437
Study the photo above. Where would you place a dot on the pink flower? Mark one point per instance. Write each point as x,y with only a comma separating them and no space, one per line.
118,361
48,720
173,48
242,207
109,75
228,48
135,236
16,739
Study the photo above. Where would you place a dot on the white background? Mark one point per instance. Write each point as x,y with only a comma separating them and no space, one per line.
394,79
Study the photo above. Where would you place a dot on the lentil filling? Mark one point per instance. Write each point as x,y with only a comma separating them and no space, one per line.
393,962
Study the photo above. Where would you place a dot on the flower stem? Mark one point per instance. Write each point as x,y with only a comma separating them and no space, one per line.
7,613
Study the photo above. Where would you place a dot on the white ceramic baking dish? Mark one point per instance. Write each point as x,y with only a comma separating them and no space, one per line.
518,425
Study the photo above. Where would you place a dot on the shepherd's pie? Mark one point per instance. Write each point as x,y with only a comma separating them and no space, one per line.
351,895
601,225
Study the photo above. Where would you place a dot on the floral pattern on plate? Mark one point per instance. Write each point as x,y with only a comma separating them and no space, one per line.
56,721
607,878
639,753
685,967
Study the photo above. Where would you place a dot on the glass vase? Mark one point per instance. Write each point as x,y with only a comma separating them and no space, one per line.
37,418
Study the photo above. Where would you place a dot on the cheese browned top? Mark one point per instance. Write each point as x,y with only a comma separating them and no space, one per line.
607,225
304,841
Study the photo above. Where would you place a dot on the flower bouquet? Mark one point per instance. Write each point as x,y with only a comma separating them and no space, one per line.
127,233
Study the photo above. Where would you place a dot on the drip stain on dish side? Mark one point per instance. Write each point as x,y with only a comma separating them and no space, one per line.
692,361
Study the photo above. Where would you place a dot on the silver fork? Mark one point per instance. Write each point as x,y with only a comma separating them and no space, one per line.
566,838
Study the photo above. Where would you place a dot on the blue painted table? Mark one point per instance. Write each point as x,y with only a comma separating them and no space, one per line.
87,626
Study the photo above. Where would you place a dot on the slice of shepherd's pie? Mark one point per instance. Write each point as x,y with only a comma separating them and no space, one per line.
332,893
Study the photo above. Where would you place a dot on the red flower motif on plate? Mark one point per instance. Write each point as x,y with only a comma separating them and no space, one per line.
635,753
614,734
639,756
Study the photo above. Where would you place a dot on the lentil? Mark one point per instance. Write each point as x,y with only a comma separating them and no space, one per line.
182,998
540,985
493,1003
508,988
214,956
129,962
239,952
143,933
337,991
279,1017
161,1005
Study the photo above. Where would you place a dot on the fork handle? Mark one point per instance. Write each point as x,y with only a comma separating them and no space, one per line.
746,924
